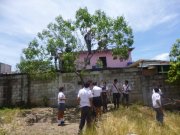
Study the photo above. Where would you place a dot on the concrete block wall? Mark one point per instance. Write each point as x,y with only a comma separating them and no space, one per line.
14,88
149,82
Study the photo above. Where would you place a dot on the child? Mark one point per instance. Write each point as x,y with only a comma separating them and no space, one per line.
156,102
61,106
126,90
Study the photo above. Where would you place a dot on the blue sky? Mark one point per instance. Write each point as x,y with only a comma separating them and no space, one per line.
155,23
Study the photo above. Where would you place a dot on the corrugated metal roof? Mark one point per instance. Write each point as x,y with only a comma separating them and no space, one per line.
146,63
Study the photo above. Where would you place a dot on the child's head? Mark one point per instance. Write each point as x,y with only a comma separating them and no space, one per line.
126,81
156,90
94,83
61,89
87,84
115,80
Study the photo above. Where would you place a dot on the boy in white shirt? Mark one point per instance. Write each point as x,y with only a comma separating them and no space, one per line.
156,102
61,106
115,90
125,90
97,98
84,99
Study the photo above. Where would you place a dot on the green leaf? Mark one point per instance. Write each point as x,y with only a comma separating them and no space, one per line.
62,40
174,72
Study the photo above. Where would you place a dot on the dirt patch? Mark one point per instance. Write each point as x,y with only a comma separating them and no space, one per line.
42,121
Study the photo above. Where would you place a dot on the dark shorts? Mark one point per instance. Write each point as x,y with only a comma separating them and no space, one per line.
61,106
97,102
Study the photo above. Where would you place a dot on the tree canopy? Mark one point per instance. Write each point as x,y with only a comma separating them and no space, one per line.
57,47
174,72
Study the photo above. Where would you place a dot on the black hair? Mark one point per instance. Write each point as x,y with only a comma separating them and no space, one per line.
94,83
115,80
126,81
61,88
87,84
156,90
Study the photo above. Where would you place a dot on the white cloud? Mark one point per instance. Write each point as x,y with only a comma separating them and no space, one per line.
22,19
27,17
163,56
143,15
31,16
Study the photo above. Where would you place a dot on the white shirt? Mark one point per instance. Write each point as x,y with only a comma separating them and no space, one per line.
96,91
126,89
61,96
105,90
85,94
155,97
114,89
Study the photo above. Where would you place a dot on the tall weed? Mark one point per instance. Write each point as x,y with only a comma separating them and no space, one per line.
136,120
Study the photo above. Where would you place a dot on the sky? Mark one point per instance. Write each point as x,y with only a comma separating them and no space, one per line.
155,23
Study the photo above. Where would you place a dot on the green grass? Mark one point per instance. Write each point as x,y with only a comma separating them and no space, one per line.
138,120
6,117
8,114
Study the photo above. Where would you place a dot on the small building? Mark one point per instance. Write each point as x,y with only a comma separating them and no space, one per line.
104,59
151,67
5,68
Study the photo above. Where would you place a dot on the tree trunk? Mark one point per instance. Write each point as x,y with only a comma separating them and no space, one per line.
81,78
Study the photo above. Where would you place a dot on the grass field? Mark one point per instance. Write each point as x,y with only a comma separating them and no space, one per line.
136,120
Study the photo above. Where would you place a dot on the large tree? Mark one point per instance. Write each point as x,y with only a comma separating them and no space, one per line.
174,72
57,47
40,59
102,32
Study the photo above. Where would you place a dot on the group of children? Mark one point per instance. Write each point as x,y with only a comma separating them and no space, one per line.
93,99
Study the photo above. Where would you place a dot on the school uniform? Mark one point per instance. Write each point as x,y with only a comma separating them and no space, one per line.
116,95
126,89
85,95
104,97
159,114
61,103
97,100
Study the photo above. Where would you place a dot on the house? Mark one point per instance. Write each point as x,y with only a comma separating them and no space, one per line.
151,67
104,59
5,68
